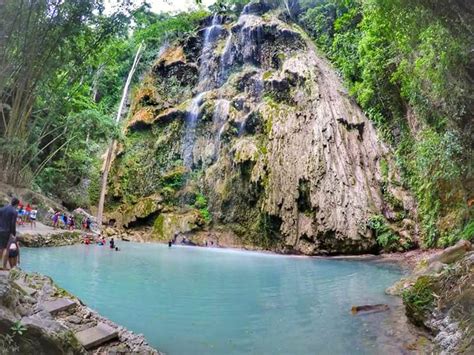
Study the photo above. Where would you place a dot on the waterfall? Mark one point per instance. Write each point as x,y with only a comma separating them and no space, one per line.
226,59
192,116
205,72
205,84
221,112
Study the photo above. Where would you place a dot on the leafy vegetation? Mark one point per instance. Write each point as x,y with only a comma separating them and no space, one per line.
386,237
202,206
419,299
63,68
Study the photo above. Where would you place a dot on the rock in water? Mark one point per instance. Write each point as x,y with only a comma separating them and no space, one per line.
293,165
370,308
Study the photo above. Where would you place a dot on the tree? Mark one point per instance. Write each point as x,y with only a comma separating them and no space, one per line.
43,48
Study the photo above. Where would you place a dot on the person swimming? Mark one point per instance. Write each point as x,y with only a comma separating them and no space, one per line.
112,243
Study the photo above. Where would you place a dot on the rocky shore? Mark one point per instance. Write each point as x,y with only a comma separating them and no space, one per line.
439,298
57,239
38,317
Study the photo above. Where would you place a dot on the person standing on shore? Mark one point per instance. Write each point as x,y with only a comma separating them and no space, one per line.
33,216
8,217
55,220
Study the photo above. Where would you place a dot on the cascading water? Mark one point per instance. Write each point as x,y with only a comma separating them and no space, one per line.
248,38
205,67
227,58
205,83
221,112
190,133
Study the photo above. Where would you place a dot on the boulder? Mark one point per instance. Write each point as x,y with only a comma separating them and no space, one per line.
452,254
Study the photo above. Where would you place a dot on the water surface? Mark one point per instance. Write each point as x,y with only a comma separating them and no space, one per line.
212,301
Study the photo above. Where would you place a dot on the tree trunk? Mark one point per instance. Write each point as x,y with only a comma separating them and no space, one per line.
113,144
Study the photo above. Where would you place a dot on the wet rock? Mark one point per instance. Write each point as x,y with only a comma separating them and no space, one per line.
370,308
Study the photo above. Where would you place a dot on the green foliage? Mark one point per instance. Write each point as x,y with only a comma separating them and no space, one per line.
384,169
158,225
8,342
419,299
386,238
467,233
17,328
228,6
431,169
202,205
47,72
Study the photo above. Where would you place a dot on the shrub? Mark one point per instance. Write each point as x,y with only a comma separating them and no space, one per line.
386,238
419,299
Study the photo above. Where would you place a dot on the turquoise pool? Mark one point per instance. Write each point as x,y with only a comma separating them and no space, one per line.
213,301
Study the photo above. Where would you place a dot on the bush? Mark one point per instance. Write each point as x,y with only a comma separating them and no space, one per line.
201,205
419,299
386,238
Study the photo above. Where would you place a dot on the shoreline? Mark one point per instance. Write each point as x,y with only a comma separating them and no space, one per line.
406,260
54,319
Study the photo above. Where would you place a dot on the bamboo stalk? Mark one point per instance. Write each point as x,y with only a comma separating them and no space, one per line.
113,144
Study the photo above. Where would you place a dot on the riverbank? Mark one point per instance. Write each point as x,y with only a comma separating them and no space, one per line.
37,316
438,296
46,236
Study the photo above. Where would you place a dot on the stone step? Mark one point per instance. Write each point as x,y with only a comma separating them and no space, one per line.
58,305
95,336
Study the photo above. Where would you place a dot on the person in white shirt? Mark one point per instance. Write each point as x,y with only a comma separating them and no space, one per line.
33,216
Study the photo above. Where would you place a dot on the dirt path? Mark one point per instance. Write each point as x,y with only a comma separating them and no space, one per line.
41,229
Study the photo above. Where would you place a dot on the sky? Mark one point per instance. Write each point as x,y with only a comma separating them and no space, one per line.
161,5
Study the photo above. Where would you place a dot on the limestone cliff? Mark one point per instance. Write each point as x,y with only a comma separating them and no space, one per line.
244,129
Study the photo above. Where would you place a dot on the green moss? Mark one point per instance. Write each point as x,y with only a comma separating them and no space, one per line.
451,238
158,225
175,178
419,299
384,169
267,74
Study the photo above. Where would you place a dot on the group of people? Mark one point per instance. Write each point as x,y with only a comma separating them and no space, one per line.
9,246
26,214
100,240
64,220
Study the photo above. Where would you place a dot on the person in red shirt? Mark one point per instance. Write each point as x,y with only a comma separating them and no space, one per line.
28,212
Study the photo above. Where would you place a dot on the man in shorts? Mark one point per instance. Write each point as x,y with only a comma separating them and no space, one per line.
8,217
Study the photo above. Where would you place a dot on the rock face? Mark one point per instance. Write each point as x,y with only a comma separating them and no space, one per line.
262,140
